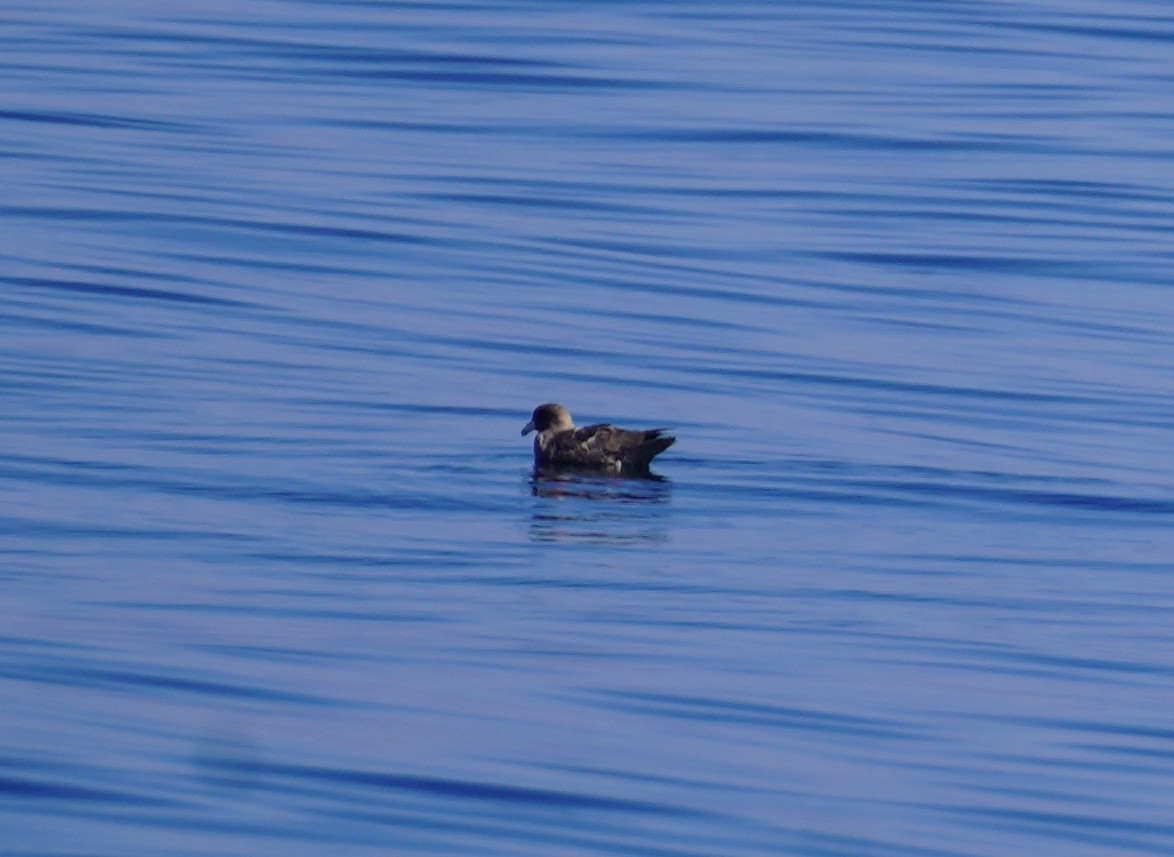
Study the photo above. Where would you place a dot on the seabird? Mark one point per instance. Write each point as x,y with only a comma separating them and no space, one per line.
602,447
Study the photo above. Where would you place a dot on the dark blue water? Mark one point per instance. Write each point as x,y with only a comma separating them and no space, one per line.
280,282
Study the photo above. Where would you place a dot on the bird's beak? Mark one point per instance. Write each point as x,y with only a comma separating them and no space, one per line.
529,428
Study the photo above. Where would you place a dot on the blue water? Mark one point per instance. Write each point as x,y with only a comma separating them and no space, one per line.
280,282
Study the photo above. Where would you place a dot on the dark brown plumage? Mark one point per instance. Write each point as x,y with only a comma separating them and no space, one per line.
602,447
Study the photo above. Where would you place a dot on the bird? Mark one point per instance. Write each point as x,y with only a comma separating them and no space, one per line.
599,448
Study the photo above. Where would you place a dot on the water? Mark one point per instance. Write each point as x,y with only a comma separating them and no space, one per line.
281,282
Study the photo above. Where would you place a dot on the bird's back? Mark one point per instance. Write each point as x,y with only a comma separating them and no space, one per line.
606,448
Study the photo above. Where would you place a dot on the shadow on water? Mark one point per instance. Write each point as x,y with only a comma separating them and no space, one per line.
599,509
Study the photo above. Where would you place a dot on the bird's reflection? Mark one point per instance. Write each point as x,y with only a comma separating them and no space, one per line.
599,509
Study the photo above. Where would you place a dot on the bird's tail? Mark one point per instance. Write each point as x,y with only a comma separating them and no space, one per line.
655,442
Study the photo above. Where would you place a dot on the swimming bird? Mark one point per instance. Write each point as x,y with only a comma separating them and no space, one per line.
601,448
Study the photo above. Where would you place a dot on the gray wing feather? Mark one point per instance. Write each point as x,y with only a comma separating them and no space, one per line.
606,447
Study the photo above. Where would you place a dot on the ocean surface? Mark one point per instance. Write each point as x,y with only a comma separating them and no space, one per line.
280,283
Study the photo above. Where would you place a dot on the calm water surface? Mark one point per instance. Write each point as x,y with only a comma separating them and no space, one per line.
280,282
